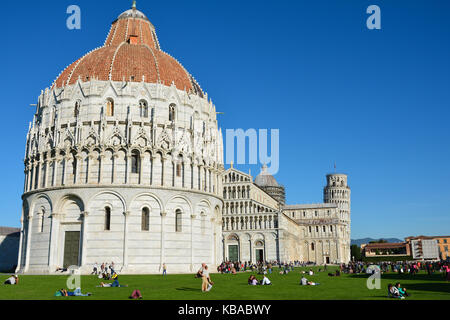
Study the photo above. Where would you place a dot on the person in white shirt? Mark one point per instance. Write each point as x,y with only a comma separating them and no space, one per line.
265,281
305,282
311,272
12,280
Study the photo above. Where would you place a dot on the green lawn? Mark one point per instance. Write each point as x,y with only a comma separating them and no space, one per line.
233,287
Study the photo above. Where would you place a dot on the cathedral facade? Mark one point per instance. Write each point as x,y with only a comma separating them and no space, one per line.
259,226
124,163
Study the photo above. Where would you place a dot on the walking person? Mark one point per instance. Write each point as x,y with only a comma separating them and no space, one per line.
164,269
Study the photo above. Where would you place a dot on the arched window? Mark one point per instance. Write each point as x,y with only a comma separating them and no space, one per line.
178,169
143,107
110,107
312,246
145,221
76,111
331,228
134,162
107,218
42,220
178,224
172,112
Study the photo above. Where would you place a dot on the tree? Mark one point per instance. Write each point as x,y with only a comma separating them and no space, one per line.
355,252
379,241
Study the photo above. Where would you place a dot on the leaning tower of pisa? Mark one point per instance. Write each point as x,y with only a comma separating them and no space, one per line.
338,192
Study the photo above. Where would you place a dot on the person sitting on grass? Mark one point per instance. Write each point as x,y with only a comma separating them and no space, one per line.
136,295
265,281
14,279
401,290
253,281
393,292
305,282
311,272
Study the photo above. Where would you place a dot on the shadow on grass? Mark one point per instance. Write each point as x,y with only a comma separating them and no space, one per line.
403,277
432,287
187,289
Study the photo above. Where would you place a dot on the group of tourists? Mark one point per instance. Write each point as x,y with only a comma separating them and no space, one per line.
104,271
254,282
397,291
400,267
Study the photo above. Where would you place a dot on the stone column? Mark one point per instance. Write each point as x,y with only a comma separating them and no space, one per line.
126,214
33,175
27,255
78,169
141,161
84,216
27,178
64,173
194,176
88,165
193,216
213,241
152,161
54,234
39,177
163,217
114,164
100,165
163,170
128,168
200,176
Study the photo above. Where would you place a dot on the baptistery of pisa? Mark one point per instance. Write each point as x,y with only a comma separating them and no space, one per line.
123,163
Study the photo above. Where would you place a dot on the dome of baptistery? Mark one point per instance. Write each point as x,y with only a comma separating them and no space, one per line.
123,163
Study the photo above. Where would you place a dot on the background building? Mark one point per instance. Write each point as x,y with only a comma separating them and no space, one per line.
9,248
423,248
257,225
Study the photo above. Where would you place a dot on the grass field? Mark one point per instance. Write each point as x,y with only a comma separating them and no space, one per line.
233,287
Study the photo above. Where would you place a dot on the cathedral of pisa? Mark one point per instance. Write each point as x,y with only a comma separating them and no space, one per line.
124,164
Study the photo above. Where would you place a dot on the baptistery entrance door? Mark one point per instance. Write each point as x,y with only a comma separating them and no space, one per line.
233,253
260,255
71,248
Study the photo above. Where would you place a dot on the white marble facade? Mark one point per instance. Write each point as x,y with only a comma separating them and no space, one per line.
161,161
258,227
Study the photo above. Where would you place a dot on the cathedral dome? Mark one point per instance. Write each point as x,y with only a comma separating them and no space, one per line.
265,179
130,53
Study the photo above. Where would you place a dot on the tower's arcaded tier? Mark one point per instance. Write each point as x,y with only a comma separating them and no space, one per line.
123,163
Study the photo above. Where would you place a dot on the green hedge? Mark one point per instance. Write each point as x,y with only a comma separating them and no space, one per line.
387,258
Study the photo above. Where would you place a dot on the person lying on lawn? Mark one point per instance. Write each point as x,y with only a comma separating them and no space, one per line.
115,284
401,290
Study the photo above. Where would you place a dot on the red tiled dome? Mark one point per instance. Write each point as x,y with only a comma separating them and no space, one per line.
131,52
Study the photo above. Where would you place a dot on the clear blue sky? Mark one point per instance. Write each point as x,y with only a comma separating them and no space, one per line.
374,102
